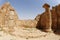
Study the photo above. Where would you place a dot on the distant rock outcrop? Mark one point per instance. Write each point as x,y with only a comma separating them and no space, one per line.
27,23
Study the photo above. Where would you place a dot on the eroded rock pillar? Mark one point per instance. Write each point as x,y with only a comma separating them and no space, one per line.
58,17
48,17
54,18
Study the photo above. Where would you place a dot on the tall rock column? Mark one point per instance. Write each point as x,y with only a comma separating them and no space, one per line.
54,18
48,17
58,17
45,20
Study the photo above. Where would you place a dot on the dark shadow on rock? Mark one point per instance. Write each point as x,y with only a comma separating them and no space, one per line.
41,29
38,26
57,32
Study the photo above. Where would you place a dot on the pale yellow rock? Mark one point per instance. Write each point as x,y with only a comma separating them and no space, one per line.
8,16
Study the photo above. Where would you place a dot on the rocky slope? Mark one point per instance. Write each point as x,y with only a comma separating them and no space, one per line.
27,23
21,33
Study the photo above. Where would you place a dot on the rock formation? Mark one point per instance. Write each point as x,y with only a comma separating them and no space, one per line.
45,19
8,16
27,23
54,18
50,19
37,17
58,16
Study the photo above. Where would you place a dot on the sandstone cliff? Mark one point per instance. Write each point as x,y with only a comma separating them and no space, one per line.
50,19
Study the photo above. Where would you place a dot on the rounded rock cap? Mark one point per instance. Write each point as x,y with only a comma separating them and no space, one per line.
46,5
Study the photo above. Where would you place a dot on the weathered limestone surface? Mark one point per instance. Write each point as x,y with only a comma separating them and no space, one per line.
8,16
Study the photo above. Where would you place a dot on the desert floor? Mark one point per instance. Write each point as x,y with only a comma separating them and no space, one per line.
27,34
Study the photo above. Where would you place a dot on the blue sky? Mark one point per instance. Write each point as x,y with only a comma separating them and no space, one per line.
29,9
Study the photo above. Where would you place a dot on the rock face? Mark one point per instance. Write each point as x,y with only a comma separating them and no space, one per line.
8,16
37,17
58,16
50,19
54,18
45,19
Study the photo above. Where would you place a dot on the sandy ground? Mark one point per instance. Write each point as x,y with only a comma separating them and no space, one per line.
28,34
